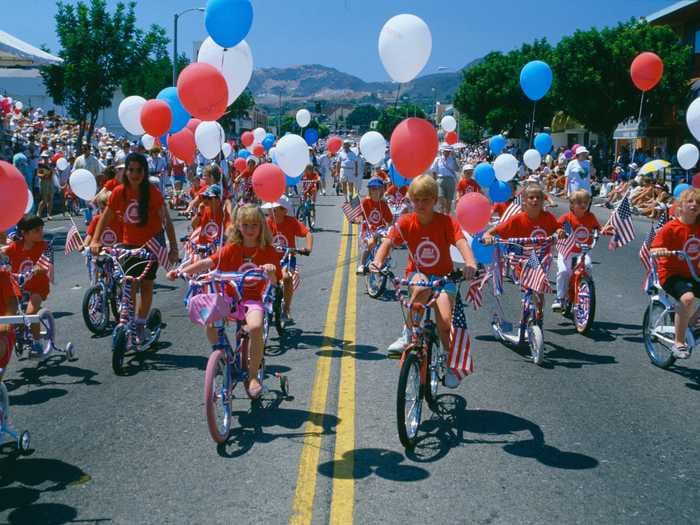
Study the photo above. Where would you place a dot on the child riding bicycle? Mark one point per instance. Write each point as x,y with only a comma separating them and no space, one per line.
377,215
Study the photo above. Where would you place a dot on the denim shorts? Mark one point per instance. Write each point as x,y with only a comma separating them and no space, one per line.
450,288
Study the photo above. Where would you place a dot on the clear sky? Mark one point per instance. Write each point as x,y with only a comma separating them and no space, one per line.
343,33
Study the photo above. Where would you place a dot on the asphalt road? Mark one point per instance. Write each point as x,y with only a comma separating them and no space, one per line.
597,435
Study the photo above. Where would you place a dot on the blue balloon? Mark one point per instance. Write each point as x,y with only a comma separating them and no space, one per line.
500,191
228,21
484,174
535,79
496,144
268,143
243,154
180,115
292,181
680,189
482,253
543,143
396,178
311,136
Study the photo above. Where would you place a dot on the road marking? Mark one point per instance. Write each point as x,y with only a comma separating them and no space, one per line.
343,499
302,511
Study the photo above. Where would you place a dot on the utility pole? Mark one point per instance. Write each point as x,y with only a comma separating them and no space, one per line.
176,17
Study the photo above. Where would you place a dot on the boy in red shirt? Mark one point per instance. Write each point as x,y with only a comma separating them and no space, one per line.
24,254
211,217
682,233
112,232
429,236
310,182
467,184
377,215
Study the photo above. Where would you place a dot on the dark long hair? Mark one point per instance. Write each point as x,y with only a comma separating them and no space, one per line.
144,187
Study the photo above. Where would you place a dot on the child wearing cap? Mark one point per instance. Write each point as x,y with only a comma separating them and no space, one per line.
377,215
211,219
467,184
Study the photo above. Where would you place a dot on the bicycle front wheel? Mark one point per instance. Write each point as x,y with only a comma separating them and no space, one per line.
433,379
658,332
96,310
535,341
584,310
218,394
409,401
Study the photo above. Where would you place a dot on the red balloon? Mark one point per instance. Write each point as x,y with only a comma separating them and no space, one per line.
473,212
259,150
451,137
182,145
268,182
240,164
203,91
696,180
413,146
247,138
156,117
334,144
56,156
192,124
646,70
13,195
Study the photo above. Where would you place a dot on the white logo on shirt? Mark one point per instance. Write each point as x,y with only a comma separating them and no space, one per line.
581,233
692,248
244,268
427,254
131,215
538,233
211,230
109,238
374,216
279,241
26,266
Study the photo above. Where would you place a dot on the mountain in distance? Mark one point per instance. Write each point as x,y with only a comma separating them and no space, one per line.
317,82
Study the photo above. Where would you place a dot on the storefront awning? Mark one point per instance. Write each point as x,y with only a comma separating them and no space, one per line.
632,129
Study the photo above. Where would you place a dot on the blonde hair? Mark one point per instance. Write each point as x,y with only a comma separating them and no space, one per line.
533,187
689,194
248,213
580,197
423,186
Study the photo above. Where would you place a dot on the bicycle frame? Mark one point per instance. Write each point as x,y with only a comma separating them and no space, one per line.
579,269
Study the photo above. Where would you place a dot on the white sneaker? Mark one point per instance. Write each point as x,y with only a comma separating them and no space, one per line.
400,343
360,269
450,380
556,306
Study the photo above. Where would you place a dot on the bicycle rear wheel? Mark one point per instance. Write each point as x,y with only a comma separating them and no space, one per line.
584,309
409,401
218,394
658,332
118,349
96,310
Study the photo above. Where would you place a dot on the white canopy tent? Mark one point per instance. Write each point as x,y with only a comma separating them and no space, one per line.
17,53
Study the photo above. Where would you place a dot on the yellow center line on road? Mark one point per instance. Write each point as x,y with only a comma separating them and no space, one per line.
343,500
314,426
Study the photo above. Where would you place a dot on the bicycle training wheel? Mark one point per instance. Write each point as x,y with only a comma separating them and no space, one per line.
584,309
95,310
218,396
409,401
535,341
658,332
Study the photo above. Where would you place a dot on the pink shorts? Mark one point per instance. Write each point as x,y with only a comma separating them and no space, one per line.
251,305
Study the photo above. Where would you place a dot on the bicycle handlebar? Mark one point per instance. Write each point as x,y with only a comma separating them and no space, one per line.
682,255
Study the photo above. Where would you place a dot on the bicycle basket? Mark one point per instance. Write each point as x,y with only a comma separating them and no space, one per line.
208,308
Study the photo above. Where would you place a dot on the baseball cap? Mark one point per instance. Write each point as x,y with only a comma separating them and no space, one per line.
282,202
581,149
468,167
375,182
212,192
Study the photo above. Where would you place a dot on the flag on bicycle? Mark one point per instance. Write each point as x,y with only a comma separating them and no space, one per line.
73,241
45,262
156,245
353,210
513,208
296,279
566,245
475,295
621,221
533,275
645,250
459,358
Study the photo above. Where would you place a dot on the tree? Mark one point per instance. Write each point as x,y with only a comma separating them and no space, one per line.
100,49
289,125
391,117
594,85
491,97
362,116
323,131
152,74
469,131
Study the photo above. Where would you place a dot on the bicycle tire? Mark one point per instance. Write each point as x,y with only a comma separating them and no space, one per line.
219,424
659,354
535,342
409,377
432,382
94,294
277,312
118,350
114,300
311,217
154,322
584,310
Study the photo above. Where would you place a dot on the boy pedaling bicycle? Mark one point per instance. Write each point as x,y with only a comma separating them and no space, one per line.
377,215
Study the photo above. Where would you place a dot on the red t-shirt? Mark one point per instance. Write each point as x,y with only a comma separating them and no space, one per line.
675,235
210,225
582,228
284,235
237,258
23,261
429,245
467,186
110,184
111,233
124,202
309,183
377,213
8,290
520,225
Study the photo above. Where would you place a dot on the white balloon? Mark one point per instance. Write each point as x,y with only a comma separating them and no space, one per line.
62,164
532,159
83,184
226,149
235,64
19,106
373,147
259,134
448,123
405,43
272,153
148,141
130,114
210,138
688,156
30,201
292,154
505,166
303,118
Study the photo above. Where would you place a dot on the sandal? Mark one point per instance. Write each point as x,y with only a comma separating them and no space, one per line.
255,391
680,351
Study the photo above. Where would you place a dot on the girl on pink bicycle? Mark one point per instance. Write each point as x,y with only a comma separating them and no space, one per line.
248,246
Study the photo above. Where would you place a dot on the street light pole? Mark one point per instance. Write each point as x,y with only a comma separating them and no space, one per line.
176,17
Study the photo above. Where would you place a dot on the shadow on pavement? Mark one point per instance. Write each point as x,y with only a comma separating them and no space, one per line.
557,355
452,425
35,378
58,315
693,374
154,361
362,463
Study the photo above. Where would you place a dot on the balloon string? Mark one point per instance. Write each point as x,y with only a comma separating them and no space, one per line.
398,90
532,122
641,104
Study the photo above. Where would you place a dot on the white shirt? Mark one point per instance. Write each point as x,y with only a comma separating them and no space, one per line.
445,167
578,175
157,166
347,159
324,165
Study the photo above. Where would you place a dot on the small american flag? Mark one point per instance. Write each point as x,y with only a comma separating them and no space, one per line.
514,208
353,210
459,359
156,245
296,279
474,293
566,245
533,275
73,240
644,251
621,221
45,262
